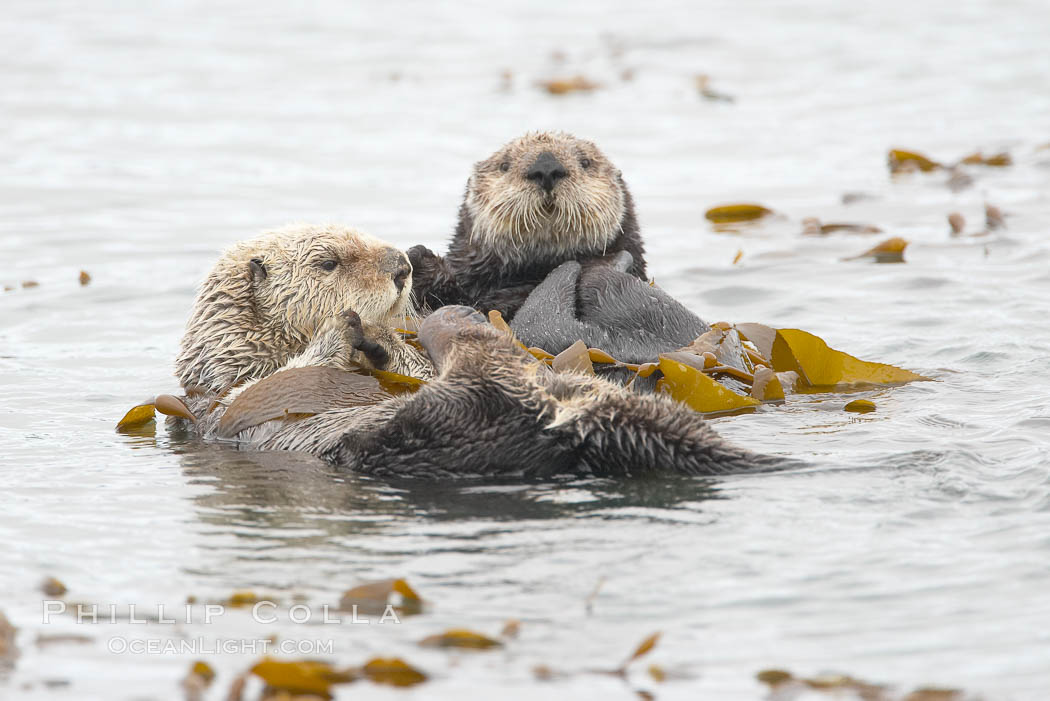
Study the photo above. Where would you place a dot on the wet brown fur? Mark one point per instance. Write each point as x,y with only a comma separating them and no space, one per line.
511,233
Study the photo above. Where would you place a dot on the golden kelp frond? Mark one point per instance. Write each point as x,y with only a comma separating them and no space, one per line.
820,366
736,213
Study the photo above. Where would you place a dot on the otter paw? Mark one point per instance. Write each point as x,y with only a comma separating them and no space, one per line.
420,256
358,338
354,329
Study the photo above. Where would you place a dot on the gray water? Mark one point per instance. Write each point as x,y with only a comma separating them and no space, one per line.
139,140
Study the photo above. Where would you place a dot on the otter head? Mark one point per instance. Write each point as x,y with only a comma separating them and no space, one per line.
545,193
264,299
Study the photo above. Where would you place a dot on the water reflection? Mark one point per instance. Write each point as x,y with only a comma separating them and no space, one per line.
284,492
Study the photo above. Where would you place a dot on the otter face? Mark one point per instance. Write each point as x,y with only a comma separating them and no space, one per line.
305,275
546,192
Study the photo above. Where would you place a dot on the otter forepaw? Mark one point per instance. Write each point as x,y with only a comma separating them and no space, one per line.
359,339
421,256
354,330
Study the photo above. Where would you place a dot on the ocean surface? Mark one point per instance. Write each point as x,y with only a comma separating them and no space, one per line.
137,140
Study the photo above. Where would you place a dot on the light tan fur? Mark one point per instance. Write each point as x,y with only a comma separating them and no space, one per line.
246,325
513,216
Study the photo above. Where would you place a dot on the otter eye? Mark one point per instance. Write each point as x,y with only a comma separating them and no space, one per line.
329,265
504,166
585,162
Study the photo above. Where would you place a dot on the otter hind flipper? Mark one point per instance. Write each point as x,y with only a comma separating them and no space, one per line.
627,307
606,308
548,318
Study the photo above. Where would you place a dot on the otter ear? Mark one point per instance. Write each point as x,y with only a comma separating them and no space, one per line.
258,269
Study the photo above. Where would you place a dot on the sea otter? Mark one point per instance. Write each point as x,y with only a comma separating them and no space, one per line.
540,200
281,318
494,411
296,297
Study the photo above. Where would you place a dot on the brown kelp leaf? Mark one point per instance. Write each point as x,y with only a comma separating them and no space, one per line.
8,651
736,213
819,365
53,587
901,161
935,694
644,648
497,320
696,390
540,354
703,87
393,671
657,673
575,358
460,638
244,597
396,383
511,629
724,343
26,284
301,676
138,415
811,226
957,223
738,256
993,217
774,677
564,86
766,386
998,160
847,228
203,670
173,406
299,391
889,251
860,406
759,335
597,355
373,597
409,325
645,369
84,278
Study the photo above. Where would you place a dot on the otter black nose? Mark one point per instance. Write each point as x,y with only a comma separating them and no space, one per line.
401,275
546,171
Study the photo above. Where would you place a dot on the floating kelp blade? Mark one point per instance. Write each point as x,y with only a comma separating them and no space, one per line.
296,393
998,160
393,671
766,386
860,406
696,390
889,251
139,415
374,597
644,648
575,358
564,86
736,213
811,226
901,161
301,676
819,365
461,638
